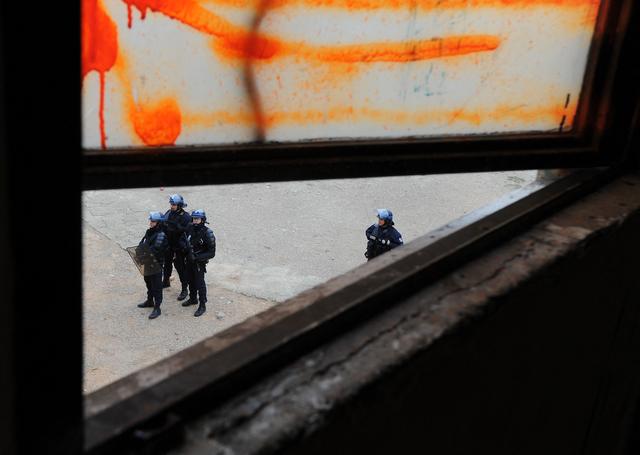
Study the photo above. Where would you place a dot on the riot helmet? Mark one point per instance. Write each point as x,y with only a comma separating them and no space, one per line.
176,199
385,215
199,214
156,217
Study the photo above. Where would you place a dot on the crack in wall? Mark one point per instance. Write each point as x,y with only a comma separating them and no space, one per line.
313,381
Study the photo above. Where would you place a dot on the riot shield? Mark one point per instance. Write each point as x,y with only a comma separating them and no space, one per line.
144,259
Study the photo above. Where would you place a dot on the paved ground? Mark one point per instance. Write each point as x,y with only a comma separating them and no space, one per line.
274,240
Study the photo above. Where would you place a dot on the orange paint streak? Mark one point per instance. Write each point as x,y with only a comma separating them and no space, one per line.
234,39
242,46
157,124
103,135
99,38
236,42
403,4
129,16
407,51
207,120
384,116
592,14
99,49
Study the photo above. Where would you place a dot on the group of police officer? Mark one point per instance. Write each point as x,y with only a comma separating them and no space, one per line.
181,239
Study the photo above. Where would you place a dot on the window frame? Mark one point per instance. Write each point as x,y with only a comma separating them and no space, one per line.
587,145
606,112
46,394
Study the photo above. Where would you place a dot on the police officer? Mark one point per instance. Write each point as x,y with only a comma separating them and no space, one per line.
382,237
156,240
202,247
177,223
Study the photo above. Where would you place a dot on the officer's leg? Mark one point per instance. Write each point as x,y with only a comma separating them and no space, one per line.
156,290
180,263
188,275
168,267
201,288
202,291
149,302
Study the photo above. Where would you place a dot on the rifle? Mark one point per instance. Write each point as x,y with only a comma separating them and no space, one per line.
376,246
188,248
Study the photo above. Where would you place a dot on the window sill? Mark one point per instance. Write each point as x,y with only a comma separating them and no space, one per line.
286,409
224,365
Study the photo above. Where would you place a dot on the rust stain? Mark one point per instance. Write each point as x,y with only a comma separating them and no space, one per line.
158,123
99,49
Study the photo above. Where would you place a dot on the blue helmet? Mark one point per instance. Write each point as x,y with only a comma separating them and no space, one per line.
176,199
156,216
385,214
199,214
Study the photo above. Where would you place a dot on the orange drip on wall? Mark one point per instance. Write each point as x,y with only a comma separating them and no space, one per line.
99,49
158,123
129,16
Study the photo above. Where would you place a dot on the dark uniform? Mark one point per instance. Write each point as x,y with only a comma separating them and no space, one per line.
202,245
178,222
381,239
156,240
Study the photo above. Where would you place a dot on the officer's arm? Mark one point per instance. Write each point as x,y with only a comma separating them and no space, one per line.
160,244
209,247
369,233
169,222
184,223
395,240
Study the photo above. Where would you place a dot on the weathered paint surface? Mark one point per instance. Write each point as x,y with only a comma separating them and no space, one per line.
165,72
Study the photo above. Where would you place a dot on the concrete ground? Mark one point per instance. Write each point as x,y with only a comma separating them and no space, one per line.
274,240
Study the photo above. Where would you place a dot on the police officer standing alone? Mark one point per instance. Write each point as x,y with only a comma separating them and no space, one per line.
202,247
178,223
156,240
382,237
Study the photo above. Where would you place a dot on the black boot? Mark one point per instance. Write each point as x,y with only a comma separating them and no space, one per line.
190,301
146,304
166,283
183,294
155,313
201,309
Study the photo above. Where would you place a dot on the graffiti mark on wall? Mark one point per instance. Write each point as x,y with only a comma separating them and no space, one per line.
220,71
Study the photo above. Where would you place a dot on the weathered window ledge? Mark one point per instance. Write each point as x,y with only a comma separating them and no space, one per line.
492,355
497,341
